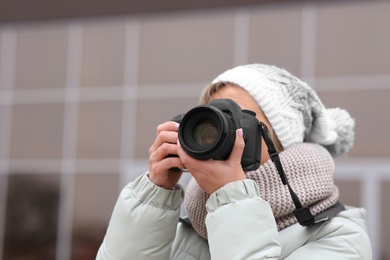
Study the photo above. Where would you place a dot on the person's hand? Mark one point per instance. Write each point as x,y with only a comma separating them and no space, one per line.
213,174
164,163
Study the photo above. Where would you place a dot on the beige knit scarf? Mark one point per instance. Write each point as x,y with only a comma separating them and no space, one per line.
309,169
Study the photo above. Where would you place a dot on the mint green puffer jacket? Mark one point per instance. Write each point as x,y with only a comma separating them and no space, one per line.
240,225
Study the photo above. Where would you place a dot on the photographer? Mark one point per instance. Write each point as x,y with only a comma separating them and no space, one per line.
287,208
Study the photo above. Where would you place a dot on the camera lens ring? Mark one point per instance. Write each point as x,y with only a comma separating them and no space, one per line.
220,126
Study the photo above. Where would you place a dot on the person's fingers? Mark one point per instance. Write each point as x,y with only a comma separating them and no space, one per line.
163,137
238,147
166,164
164,151
167,126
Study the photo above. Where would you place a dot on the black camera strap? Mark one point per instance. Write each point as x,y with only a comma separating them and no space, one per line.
302,213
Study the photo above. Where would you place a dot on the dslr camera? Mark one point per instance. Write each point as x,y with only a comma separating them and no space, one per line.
209,132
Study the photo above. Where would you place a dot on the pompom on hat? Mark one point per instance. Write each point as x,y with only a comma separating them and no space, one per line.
293,108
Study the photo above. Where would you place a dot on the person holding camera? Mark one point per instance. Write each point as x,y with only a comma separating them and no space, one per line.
260,148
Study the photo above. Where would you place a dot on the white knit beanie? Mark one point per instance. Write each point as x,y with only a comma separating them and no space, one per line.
293,108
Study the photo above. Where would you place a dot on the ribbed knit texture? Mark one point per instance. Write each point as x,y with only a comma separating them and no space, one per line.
293,108
309,169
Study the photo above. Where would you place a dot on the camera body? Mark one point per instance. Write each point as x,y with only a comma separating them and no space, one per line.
209,132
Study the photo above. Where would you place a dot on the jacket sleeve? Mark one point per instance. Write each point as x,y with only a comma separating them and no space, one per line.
240,224
143,223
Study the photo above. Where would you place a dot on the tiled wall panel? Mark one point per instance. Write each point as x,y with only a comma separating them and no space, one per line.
103,53
99,130
31,216
4,114
275,37
94,199
37,131
349,192
41,57
370,109
182,48
87,95
351,39
1,59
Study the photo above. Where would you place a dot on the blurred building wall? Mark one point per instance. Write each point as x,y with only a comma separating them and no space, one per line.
80,100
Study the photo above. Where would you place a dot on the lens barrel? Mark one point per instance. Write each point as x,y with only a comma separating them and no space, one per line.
206,132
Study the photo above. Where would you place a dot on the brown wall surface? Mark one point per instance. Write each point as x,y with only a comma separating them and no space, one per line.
80,99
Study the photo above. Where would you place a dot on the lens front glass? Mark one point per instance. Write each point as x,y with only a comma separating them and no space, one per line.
205,133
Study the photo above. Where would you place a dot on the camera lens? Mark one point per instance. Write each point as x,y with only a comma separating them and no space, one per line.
209,132
205,133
